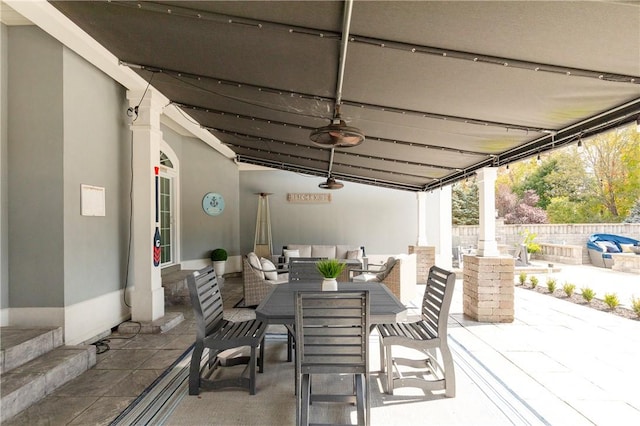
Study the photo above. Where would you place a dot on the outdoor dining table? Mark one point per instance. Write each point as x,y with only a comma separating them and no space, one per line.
278,306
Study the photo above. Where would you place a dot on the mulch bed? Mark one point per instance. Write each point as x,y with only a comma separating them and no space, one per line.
579,300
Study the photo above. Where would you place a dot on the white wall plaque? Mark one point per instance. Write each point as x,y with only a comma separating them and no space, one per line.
92,200
308,198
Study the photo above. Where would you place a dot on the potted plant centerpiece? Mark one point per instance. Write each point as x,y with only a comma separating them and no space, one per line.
219,258
330,269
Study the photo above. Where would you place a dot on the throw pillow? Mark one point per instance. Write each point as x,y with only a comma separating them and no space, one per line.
353,254
388,265
269,269
626,248
254,261
290,253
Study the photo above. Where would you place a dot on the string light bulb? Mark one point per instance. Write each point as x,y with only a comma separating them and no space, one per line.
538,160
580,147
638,124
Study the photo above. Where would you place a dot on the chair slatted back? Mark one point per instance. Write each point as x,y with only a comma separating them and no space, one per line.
304,269
332,331
437,301
206,300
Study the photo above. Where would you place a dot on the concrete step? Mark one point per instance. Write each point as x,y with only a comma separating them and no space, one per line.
19,345
25,385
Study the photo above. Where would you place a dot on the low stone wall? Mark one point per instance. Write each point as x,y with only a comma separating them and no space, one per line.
626,262
552,235
563,253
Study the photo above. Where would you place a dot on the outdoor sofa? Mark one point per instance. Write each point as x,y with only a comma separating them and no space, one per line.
602,246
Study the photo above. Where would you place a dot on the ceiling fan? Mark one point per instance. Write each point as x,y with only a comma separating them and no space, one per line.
331,182
338,134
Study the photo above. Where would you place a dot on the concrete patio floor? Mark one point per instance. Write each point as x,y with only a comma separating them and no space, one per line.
558,363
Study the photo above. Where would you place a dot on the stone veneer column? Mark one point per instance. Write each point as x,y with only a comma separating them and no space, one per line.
425,259
488,288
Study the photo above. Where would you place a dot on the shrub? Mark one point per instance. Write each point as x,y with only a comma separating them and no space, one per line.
611,299
219,255
588,294
635,305
522,278
551,284
534,281
569,289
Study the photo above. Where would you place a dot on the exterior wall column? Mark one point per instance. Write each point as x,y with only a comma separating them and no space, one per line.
488,288
439,229
487,244
147,294
434,225
422,219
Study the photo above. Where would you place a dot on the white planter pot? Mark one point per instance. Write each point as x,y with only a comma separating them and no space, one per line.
329,284
218,266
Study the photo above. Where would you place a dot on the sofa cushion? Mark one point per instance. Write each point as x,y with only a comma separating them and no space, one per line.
254,261
366,277
269,269
608,246
323,251
304,250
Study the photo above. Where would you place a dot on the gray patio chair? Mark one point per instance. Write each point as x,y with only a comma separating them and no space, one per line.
332,337
217,334
427,335
304,269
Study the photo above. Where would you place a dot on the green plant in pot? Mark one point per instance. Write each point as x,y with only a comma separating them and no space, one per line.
330,269
219,259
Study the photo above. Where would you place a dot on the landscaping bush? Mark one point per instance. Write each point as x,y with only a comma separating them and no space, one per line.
534,281
522,278
635,305
611,299
551,285
588,294
569,289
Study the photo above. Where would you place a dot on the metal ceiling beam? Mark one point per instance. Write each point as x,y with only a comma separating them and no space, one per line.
301,157
614,118
320,173
385,108
383,43
345,153
298,126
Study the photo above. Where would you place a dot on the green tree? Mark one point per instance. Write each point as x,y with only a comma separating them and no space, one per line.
465,204
538,182
634,214
613,159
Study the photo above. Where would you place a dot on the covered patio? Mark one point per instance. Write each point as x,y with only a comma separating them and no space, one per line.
116,96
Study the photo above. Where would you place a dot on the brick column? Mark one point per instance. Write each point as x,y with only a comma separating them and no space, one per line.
425,259
488,288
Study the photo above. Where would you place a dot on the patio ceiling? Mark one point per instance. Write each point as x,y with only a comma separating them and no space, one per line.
439,88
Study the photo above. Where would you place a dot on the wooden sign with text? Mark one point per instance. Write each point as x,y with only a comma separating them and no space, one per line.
308,198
